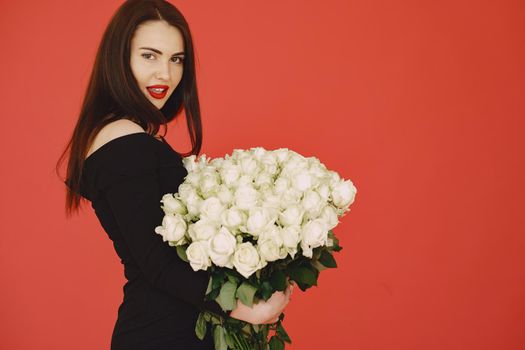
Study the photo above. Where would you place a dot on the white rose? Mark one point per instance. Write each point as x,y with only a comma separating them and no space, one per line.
229,173
222,247
237,153
193,204
172,205
290,197
269,250
270,199
272,232
245,197
343,193
248,165
232,218
334,178
202,162
281,155
302,181
209,182
217,163
263,179
313,234
198,257
291,236
211,209
312,204
246,259
292,215
244,181
202,230
270,163
259,218
193,178
225,195
316,168
185,190
270,244
324,191
296,164
329,215
173,229
257,152
281,184
189,163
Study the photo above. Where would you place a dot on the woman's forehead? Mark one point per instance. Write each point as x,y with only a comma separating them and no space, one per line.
159,35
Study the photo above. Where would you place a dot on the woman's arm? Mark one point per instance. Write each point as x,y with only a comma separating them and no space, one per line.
128,180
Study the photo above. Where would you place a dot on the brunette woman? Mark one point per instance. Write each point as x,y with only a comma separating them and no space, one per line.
142,79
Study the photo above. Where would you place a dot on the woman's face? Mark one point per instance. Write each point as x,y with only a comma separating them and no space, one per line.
156,59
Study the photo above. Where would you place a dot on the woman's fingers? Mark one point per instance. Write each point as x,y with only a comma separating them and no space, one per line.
288,292
272,320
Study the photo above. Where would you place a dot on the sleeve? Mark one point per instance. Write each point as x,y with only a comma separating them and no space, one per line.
133,195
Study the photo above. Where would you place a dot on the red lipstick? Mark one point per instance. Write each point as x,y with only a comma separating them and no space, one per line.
157,91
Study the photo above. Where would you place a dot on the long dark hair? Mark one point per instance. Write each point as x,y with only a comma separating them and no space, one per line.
113,93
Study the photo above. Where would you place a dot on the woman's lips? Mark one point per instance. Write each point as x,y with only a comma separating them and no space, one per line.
158,91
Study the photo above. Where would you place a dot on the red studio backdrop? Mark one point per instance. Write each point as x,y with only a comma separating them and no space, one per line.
419,103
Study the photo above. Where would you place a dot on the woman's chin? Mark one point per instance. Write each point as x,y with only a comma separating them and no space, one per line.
157,104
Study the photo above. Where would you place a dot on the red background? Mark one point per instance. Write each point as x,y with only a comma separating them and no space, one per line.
419,103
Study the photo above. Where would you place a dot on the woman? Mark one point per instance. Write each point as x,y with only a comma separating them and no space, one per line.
143,76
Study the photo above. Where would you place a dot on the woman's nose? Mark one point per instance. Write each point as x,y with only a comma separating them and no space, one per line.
163,72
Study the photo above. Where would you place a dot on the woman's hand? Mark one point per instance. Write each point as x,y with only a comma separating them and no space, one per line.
264,312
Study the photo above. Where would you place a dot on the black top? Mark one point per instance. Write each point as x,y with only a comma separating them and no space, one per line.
125,180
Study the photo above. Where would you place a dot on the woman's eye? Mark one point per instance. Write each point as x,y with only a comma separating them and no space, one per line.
181,59
146,55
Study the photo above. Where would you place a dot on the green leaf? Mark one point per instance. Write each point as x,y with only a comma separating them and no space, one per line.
209,289
282,333
303,275
232,277
229,339
265,330
245,293
266,290
200,326
181,252
278,280
226,298
216,321
276,343
214,294
327,259
219,339
335,240
218,278
316,253
320,267
247,327
303,286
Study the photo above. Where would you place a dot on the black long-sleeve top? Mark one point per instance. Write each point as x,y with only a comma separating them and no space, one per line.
125,179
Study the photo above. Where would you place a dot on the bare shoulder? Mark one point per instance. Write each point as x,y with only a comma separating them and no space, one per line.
112,131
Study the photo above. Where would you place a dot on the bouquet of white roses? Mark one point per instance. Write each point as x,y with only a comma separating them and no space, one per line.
256,220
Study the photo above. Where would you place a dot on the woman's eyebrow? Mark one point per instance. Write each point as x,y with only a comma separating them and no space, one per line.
160,52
